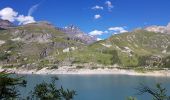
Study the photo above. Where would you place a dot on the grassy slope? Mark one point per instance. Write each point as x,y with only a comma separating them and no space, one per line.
18,50
142,43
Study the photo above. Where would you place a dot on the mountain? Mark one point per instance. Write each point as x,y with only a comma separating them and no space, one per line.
41,44
131,49
159,29
34,43
76,33
4,24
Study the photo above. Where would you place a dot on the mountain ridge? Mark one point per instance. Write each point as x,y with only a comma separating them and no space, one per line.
41,44
159,29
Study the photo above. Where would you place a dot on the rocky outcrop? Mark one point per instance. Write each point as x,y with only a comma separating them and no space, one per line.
159,29
27,37
5,24
75,33
1,42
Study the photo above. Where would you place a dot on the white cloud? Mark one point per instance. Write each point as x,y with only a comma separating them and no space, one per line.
25,19
8,14
98,39
117,29
96,32
97,7
109,5
32,9
11,15
97,16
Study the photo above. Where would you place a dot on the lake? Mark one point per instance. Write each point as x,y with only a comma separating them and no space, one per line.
99,87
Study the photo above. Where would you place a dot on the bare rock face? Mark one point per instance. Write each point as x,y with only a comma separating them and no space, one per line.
75,33
72,30
1,42
25,36
33,32
159,29
5,24
168,28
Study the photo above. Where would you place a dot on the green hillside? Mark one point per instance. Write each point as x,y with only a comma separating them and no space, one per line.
33,45
41,45
132,49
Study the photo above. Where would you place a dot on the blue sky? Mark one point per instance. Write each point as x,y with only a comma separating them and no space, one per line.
96,17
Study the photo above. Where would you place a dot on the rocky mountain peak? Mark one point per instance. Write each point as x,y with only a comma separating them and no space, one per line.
159,29
76,33
168,28
4,24
72,29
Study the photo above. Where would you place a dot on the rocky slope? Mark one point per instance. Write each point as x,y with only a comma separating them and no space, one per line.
41,44
34,44
5,24
75,33
159,29
131,49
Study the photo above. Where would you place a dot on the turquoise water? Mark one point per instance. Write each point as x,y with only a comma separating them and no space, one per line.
99,87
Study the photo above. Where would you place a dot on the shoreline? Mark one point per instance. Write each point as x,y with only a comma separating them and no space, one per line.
98,71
